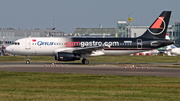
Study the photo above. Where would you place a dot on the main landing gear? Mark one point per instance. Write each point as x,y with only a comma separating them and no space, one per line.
85,61
28,60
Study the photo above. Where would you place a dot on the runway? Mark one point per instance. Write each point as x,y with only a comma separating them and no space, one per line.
107,69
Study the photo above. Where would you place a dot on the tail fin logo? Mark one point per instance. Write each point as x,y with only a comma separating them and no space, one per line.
158,27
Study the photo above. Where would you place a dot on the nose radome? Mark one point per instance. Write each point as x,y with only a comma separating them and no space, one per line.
7,49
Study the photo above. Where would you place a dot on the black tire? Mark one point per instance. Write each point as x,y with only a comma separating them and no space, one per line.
27,62
85,61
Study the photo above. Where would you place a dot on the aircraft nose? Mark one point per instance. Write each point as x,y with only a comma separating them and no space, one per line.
7,49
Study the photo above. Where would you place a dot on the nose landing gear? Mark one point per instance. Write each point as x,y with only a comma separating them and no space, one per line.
28,60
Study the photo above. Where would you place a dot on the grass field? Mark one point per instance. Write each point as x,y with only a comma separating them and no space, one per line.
27,86
99,59
22,86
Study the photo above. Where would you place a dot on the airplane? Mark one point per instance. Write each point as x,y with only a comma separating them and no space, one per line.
172,49
75,48
175,50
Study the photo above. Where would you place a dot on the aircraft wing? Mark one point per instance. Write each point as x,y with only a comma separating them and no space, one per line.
87,50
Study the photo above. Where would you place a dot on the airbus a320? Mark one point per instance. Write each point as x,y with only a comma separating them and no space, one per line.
74,48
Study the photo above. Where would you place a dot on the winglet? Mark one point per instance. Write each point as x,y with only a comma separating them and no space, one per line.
4,46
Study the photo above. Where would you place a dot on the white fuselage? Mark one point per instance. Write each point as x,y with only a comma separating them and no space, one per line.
50,46
175,51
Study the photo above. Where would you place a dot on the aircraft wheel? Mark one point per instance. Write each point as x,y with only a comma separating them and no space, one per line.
28,62
85,61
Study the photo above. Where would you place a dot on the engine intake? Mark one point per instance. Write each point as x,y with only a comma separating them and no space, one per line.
64,56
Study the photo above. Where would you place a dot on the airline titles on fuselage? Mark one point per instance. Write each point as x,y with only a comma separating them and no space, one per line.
83,44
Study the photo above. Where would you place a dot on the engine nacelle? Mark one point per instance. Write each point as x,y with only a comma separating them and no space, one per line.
64,56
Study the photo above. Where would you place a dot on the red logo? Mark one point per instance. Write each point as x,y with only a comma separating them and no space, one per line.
158,23
72,44
158,27
33,40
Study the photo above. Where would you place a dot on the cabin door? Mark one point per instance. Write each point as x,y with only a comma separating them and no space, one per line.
28,44
139,43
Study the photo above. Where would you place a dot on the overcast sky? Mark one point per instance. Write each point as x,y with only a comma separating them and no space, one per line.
71,14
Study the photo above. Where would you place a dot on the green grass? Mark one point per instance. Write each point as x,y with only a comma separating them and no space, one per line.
22,86
99,59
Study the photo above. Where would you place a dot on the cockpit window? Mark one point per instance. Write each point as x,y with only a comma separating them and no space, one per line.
15,43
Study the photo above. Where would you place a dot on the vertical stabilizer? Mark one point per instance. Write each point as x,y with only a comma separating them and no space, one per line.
159,28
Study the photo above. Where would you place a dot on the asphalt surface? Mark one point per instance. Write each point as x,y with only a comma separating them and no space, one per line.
107,69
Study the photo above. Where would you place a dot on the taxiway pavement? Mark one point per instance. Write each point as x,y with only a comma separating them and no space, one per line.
91,69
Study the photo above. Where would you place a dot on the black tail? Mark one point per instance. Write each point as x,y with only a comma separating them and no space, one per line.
159,27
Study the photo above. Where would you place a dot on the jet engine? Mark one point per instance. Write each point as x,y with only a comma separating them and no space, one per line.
64,56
